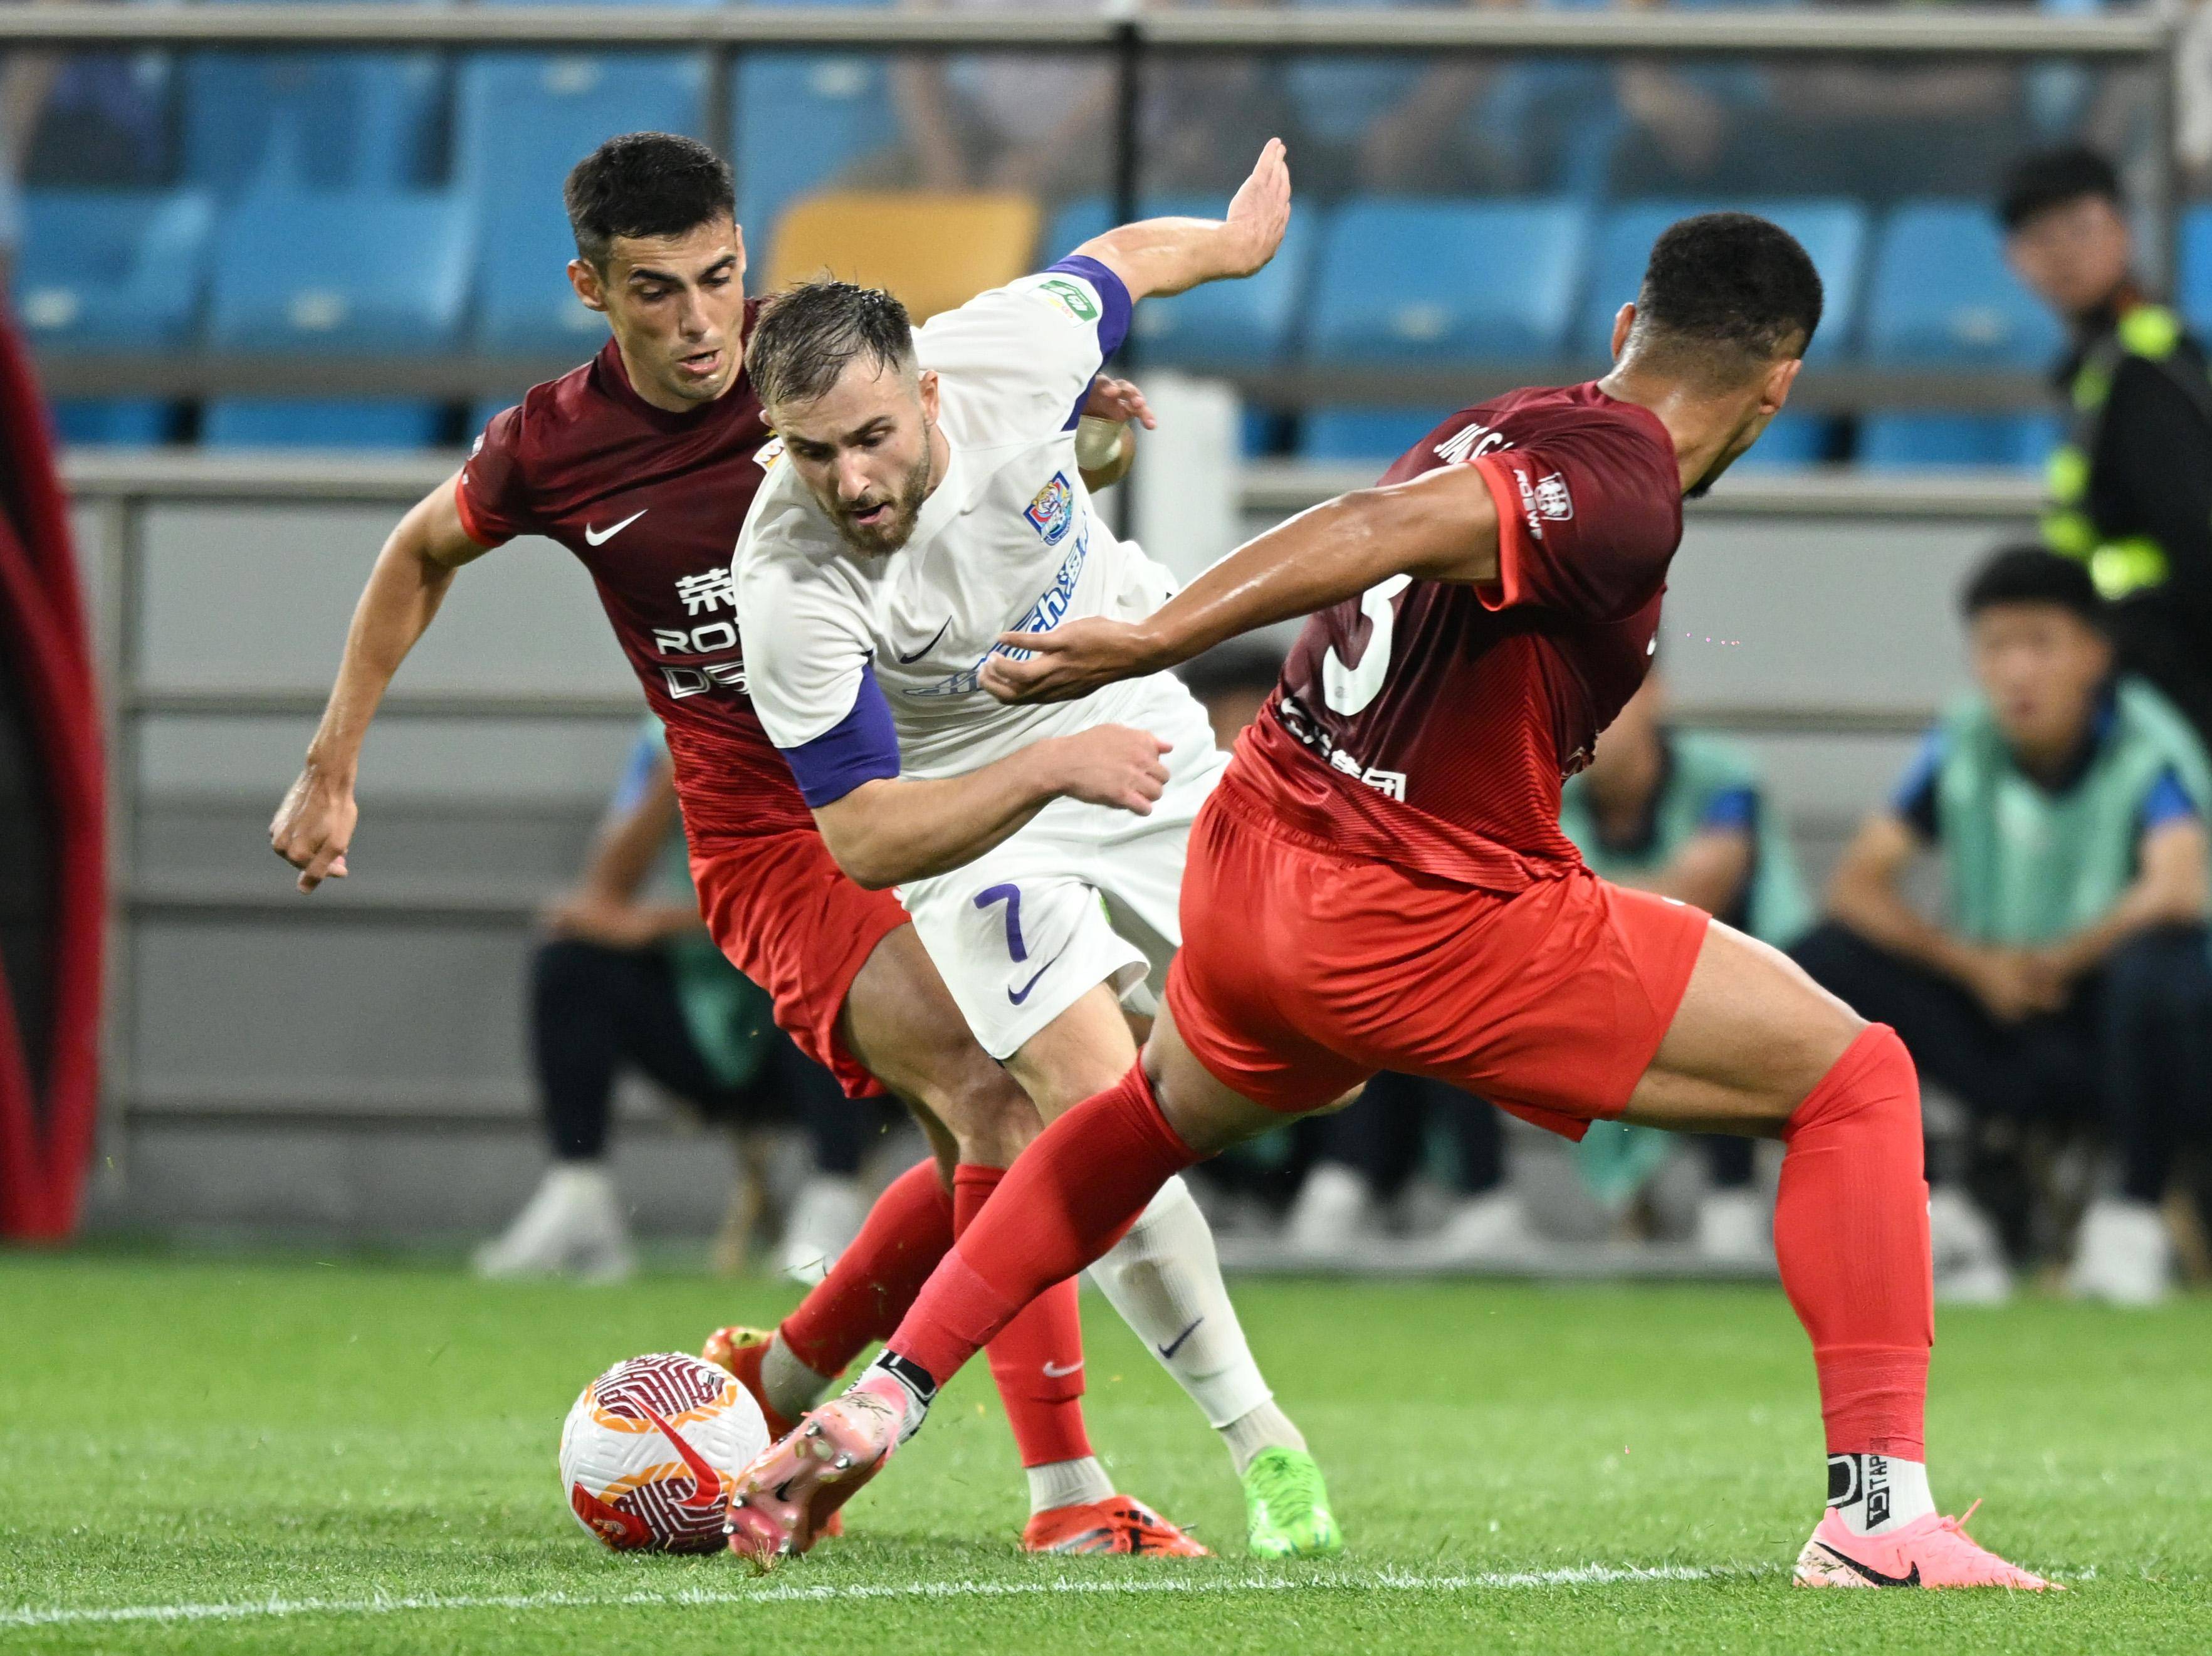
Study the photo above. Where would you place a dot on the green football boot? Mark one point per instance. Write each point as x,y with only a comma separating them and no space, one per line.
1286,1511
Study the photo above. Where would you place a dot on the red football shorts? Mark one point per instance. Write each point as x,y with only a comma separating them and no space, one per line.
1303,971
787,917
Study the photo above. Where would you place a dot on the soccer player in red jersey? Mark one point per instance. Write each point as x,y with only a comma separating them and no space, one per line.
1386,841
643,463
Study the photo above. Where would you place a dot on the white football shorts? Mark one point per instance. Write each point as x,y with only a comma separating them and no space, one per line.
1083,895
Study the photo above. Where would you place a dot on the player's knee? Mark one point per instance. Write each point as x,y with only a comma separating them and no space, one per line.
1873,1083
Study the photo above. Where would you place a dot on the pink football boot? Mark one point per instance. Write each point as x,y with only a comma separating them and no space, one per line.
1934,1551
785,1500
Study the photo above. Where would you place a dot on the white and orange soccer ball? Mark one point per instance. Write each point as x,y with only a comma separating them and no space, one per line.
648,1452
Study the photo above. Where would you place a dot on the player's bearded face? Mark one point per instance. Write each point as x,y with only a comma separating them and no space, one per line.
863,451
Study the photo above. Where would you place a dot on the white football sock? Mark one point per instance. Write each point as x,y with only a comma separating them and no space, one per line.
793,1388
1165,1281
1067,1483
1265,1428
1875,1493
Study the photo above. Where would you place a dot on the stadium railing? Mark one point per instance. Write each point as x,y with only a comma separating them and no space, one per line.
1131,41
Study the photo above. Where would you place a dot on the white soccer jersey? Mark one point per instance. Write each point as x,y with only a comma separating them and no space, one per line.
843,650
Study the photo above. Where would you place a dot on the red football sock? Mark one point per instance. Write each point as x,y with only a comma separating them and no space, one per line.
1850,1234
1068,1197
1036,1361
874,1281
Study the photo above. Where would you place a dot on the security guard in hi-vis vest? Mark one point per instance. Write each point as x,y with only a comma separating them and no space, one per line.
2131,485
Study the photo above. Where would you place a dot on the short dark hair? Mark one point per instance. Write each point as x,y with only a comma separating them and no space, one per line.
2032,574
1245,664
2054,178
808,334
1730,280
645,184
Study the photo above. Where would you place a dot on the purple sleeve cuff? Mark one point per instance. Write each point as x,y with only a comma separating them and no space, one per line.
861,746
1112,299
1113,318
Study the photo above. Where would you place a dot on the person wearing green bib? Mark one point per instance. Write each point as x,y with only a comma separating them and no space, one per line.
629,978
2067,980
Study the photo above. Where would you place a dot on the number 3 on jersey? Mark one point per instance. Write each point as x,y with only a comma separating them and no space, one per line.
1349,689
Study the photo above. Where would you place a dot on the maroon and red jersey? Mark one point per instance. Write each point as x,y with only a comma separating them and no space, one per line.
1429,724
652,502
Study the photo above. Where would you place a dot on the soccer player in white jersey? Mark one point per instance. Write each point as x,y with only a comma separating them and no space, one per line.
929,500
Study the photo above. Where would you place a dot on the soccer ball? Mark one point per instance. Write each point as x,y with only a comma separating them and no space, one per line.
649,1452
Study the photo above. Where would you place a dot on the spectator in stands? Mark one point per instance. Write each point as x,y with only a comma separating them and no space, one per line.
1044,127
1685,815
2067,982
1871,127
2131,490
627,981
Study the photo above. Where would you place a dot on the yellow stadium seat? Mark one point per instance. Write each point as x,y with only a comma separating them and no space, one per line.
934,251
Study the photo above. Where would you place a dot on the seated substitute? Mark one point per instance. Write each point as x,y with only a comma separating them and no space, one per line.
2069,969
627,981
1683,814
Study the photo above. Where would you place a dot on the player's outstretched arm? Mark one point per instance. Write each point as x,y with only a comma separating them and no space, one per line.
315,824
891,830
1166,255
1441,525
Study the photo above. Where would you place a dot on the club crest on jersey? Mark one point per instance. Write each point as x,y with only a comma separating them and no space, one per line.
768,453
1552,498
1053,509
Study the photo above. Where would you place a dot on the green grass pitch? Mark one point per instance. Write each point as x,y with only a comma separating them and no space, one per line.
296,1456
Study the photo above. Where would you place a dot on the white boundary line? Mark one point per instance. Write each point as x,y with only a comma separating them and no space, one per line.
1386,1581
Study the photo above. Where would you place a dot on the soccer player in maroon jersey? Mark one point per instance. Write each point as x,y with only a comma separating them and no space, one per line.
643,464
1380,883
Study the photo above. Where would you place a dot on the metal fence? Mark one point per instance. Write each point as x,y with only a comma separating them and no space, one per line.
1131,41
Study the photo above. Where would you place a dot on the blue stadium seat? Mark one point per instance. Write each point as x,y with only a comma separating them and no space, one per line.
523,120
348,120
1223,323
1957,439
1791,440
800,122
1834,232
2195,294
1370,435
1445,283
353,272
1940,295
303,422
106,269
135,422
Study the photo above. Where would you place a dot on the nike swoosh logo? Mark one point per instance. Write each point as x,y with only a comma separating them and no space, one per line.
1054,1371
1170,1350
601,536
1018,996
906,660
1870,1574
705,1482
